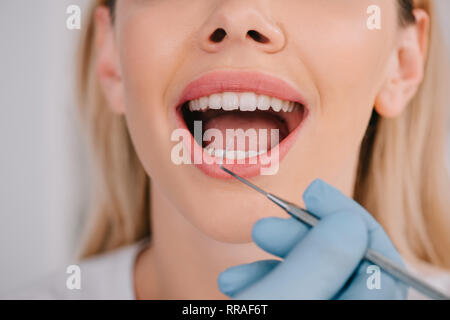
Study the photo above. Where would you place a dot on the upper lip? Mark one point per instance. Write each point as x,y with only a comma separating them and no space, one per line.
240,81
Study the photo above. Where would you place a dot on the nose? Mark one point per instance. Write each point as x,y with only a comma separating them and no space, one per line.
244,23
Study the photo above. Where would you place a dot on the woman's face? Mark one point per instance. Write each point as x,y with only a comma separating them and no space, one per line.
323,49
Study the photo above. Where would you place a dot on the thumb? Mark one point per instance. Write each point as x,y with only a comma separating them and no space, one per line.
319,265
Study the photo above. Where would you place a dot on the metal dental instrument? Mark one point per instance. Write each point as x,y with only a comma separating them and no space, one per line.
372,256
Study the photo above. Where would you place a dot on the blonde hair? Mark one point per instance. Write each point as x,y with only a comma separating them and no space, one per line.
401,173
120,206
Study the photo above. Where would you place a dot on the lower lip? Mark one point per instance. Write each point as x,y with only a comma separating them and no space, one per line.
211,165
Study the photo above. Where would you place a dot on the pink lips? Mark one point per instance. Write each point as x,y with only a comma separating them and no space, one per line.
236,81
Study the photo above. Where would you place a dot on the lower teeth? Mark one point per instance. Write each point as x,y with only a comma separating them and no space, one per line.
234,154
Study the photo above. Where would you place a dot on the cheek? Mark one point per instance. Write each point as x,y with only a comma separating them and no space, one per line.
147,57
347,62
148,60
153,39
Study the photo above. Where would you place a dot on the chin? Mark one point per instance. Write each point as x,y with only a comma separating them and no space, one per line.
230,221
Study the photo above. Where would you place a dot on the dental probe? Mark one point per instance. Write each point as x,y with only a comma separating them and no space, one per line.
372,256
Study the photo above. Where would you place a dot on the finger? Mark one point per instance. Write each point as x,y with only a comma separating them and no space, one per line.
278,236
239,277
323,199
380,242
319,265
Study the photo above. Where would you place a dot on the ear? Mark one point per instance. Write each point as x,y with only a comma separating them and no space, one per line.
107,62
406,67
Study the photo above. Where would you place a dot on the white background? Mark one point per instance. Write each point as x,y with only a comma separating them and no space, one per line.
43,172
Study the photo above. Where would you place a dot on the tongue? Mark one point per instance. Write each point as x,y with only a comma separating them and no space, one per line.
263,125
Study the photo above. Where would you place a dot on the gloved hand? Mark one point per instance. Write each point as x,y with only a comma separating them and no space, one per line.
323,262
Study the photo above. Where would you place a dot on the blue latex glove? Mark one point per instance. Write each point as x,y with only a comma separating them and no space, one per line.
323,262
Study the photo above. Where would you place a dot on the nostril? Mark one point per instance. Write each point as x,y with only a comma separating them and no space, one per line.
258,37
218,35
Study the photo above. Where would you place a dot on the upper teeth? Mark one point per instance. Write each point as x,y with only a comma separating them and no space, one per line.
245,101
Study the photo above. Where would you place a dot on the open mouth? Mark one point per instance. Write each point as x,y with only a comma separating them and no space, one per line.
250,124
252,117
